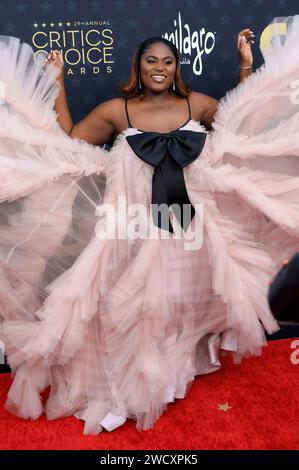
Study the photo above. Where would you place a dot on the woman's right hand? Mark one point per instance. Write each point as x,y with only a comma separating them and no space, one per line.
56,57
245,40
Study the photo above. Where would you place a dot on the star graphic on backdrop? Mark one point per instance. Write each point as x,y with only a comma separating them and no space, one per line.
68,23
44,25
35,25
21,7
52,24
96,6
225,20
156,22
120,5
46,6
226,56
71,6
224,407
133,23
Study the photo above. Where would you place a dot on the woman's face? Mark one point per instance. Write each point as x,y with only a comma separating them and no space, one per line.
157,67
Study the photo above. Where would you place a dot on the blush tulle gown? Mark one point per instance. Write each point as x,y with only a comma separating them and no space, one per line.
118,328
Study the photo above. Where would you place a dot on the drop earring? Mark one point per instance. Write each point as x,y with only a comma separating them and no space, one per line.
139,82
173,85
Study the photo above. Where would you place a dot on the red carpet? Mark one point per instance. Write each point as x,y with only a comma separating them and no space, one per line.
263,394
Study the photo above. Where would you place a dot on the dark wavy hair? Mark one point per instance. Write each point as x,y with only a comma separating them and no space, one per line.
131,88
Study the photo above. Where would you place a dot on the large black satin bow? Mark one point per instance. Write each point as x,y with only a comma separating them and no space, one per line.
169,153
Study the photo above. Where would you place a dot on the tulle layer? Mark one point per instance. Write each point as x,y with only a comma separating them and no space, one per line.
122,325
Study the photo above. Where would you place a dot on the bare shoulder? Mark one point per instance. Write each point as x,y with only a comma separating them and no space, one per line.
110,107
114,112
203,107
101,124
201,101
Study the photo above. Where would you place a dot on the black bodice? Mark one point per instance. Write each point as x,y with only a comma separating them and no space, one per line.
169,153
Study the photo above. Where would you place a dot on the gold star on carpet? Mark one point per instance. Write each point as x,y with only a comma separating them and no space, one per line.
225,407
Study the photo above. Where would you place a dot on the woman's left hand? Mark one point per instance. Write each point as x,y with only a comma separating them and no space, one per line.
245,40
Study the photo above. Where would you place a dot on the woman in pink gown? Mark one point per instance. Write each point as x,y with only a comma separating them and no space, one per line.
118,323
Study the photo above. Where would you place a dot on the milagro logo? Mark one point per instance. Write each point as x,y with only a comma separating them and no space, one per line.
187,42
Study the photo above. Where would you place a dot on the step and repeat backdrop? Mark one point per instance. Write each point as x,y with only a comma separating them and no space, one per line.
98,38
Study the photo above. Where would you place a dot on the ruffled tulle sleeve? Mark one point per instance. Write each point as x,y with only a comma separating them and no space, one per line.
50,184
248,184
257,123
255,142
34,149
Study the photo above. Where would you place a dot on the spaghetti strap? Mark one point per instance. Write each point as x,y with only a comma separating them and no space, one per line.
126,108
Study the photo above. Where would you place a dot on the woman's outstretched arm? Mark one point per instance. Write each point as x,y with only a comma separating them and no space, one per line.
97,127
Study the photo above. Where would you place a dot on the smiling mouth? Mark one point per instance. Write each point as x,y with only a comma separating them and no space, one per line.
158,78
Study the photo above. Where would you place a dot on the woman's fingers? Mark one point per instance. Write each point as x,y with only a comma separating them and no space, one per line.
245,36
54,56
248,38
